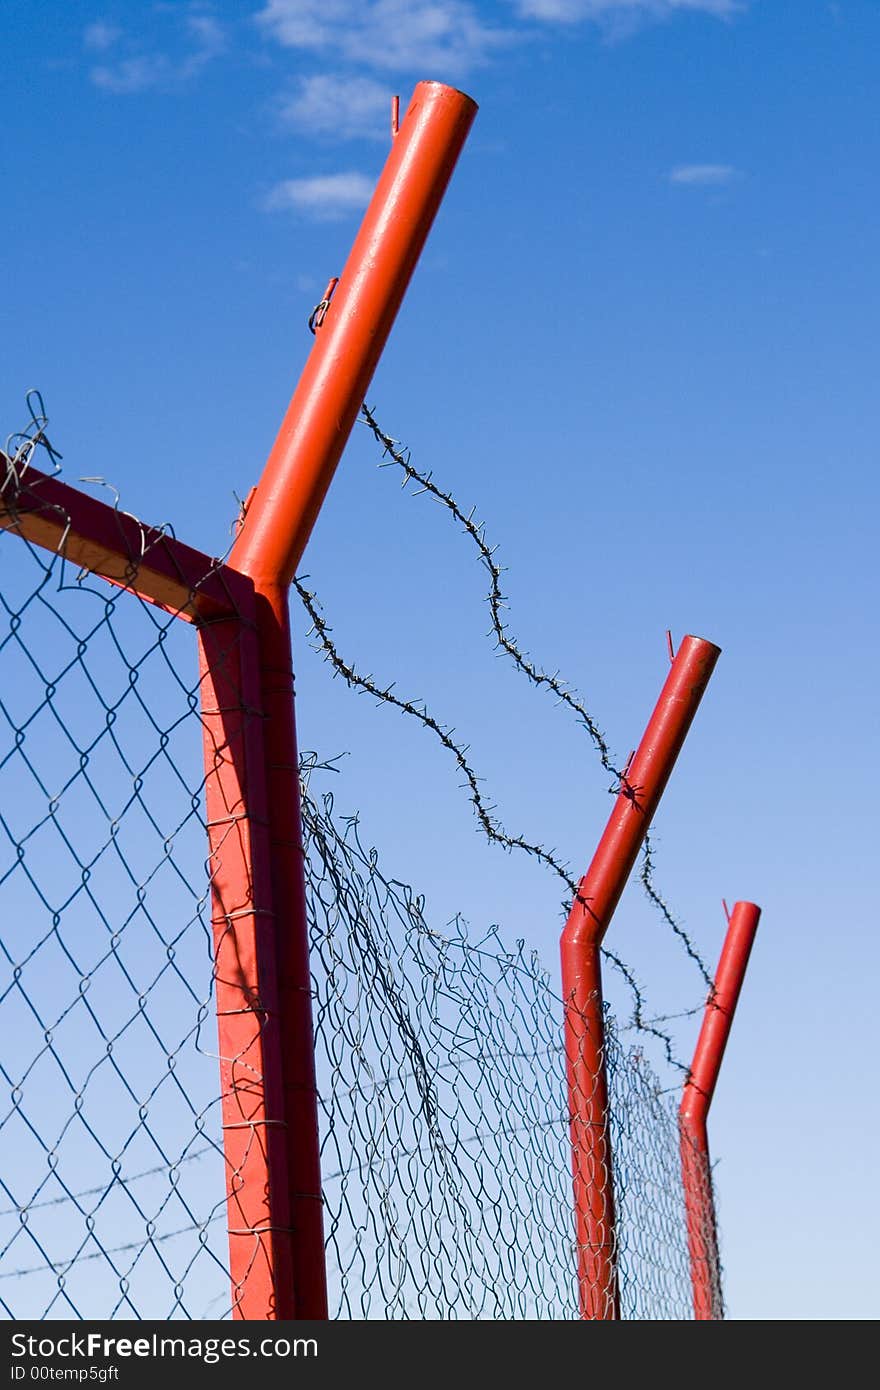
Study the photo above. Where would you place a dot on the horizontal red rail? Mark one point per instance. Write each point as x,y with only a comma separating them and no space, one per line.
119,548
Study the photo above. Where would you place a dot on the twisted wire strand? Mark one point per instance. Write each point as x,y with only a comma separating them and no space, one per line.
401,455
489,824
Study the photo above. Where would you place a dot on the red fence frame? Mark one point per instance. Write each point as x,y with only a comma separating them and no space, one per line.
693,1111
598,895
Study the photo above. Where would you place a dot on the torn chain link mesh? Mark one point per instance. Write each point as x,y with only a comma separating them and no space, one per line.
444,1128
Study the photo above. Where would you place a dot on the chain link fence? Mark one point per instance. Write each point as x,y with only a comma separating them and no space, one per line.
446,1157
444,1127
112,1185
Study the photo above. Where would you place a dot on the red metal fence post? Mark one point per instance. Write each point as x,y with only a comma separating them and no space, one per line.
352,334
598,895
276,527
245,972
262,979
694,1109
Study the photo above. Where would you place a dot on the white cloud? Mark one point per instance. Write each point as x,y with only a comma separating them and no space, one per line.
702,175
101,35
327,104
573,11
440,36
140,71
208,35
133,74
324,197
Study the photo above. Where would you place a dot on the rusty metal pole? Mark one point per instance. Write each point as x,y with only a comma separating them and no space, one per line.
348,343
598,895
693,1112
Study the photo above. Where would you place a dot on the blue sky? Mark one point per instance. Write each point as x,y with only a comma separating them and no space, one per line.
642,343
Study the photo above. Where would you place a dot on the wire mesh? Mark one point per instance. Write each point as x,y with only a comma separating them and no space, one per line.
652,1257
445,1145
444,1120
112,1185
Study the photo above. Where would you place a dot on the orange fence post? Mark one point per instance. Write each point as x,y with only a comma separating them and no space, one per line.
694,1110
352,333
598,895
349,340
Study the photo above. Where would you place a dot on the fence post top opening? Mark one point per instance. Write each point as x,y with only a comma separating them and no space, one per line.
430,85
701,642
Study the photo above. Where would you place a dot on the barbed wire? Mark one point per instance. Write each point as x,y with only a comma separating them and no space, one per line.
68,1262
441,1069
646,877
353,678
401,455
122,1179
488,823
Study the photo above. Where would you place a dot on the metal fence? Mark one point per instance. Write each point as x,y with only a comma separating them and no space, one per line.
444,1120
446,1156
225,1030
